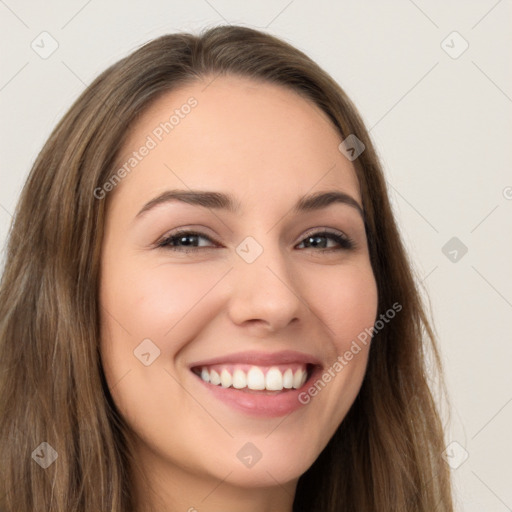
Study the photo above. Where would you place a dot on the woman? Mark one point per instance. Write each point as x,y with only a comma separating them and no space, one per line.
206,304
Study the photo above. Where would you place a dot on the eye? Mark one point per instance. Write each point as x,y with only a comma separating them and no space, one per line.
189,241
316,239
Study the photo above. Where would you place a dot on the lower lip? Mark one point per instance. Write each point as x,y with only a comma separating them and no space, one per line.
259,403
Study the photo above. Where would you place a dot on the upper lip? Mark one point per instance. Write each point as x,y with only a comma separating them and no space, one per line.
261,358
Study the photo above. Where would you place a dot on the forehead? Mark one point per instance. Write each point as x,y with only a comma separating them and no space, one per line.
253,138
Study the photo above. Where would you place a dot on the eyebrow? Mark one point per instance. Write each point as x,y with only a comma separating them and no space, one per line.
222,201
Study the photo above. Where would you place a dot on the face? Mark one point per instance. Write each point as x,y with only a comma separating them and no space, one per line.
261,295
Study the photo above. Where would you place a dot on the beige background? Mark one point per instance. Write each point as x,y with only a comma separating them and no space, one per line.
440,117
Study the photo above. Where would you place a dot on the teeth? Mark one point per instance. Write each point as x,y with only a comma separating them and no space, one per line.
255,379
225,379
214,378
239,379
274,379
287,379
298,379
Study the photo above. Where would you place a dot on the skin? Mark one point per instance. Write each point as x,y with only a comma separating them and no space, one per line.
267,146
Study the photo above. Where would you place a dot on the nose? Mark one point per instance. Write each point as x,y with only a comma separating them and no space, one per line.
265,294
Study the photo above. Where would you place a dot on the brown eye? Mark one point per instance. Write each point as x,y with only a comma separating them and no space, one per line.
185,241
318,240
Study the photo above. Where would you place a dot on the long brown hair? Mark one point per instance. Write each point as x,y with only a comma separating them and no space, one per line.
387,453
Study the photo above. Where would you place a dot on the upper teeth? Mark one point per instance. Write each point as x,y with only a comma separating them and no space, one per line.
255,378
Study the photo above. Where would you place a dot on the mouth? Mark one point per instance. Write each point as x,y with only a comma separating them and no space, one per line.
255,378
259,384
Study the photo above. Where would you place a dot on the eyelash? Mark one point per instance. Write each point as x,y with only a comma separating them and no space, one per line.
345,242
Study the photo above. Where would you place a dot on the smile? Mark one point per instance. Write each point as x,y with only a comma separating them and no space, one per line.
259,384
256,378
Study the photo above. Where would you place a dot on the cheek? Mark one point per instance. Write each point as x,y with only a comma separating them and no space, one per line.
166,304
346,302
157,301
